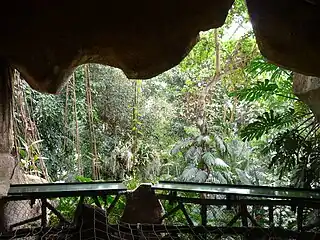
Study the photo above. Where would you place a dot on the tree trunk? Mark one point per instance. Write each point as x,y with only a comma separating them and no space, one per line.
6,134
9,170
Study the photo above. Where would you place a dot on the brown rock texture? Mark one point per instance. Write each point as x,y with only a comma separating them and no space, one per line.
286,32
47,40
307,88
142,206
17,211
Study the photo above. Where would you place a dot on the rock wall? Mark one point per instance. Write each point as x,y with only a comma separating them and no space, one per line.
18,211
7,163
286,32
10,172
307,88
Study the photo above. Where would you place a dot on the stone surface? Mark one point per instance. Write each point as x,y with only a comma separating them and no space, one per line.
7,163
4,181
142,206
18,211
46,40
307,88
286,32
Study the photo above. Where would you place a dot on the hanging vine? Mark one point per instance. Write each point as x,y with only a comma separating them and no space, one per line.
65,120
94,160
135,119
76,135
26,135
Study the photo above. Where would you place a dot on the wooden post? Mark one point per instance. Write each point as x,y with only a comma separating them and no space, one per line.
204,219
271,216
300,217
6,134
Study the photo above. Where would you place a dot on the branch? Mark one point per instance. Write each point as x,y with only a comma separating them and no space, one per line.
217,74
226,68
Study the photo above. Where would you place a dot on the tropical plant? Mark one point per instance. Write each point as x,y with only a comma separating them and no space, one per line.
290,132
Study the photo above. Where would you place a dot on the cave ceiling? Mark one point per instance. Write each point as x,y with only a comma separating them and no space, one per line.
46,40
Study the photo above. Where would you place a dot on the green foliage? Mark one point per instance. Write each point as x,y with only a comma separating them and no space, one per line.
259,66
246,127
268,121
291,131
259,90
295,153
29,157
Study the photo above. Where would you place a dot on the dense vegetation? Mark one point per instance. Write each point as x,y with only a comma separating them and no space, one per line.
222,115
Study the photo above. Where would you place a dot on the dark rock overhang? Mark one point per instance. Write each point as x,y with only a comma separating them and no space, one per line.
286,32
46,40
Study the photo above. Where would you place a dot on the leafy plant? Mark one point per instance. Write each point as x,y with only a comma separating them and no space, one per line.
262,89
291,131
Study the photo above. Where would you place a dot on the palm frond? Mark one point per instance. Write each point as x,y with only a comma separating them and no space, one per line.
219,178
261,89
260,66
188,174
220,144
201,176
267,121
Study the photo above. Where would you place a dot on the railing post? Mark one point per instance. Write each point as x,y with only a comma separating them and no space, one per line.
300,217
270,212
204,218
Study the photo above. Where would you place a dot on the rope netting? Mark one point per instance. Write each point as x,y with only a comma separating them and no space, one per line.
156,232
87,221
91,222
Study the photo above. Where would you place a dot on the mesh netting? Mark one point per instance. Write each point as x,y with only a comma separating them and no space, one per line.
83,219
157,231
91,222
21,211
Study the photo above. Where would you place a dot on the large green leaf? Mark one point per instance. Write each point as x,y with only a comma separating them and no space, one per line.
261,89
181,145
260,66
213,161
243,177
268,121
